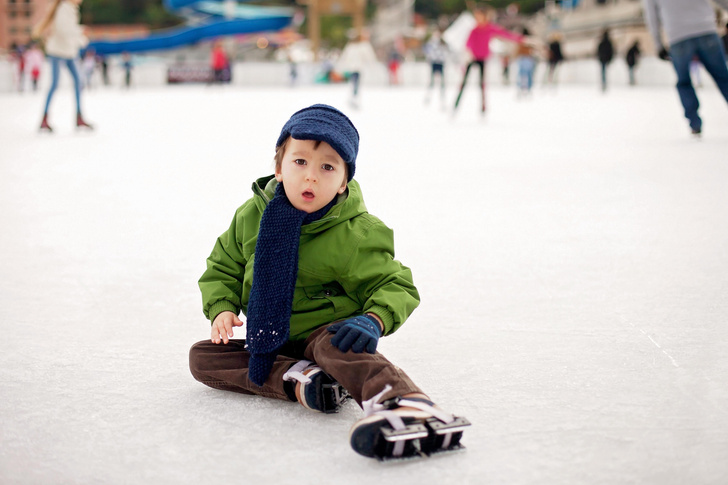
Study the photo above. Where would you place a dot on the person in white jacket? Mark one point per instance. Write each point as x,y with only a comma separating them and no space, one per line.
63,44
355,58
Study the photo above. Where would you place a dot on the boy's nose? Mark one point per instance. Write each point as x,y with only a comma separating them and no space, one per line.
311,175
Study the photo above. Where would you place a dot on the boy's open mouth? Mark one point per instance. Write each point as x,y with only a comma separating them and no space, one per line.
307,194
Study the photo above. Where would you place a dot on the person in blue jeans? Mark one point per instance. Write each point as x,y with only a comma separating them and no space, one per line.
691,31
62,46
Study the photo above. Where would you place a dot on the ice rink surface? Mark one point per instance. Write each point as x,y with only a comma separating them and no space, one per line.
571,251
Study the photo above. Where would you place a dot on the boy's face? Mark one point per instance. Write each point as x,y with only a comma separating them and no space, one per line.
311,176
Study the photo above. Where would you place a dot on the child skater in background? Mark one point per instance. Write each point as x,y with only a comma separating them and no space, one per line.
316,277
437,52
478,45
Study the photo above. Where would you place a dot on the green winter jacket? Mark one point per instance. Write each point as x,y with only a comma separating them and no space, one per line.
346,266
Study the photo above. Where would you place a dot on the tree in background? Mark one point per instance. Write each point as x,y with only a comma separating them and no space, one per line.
149,12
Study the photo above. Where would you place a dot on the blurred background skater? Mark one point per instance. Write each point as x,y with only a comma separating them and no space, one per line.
219,63
356,56
436,53
478,45
605,54
526,62
101,59
87,66
17,56
506,68
554,57
632,58
65,40
34,62
292,66
394,60
690,29
128,65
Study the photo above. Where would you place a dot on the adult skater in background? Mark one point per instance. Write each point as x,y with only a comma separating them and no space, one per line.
355,58
691,31
605,54
555,57
219,63
632,58
65,40
478,45
436,52
316,277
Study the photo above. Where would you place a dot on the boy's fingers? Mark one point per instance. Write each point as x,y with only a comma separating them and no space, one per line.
217,333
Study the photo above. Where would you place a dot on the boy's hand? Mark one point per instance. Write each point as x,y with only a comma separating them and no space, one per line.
357,333
222,327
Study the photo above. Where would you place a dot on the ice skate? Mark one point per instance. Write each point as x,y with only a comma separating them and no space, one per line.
44,126
315,389
402,428
81,123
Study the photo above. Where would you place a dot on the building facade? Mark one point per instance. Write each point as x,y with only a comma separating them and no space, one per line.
17,18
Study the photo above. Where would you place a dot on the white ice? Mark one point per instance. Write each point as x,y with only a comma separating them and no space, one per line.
571,251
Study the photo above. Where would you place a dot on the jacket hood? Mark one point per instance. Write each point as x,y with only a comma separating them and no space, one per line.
348,205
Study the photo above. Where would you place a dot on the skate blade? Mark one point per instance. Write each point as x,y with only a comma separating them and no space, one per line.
453,449
409,433
420,455
393,460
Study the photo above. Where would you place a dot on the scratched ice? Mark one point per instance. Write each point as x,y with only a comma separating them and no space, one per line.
570,252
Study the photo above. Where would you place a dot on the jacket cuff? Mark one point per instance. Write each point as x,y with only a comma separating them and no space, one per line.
385,315
221,306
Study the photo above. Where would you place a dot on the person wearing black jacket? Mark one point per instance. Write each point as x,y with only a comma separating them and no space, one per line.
633,56
554,58
605,53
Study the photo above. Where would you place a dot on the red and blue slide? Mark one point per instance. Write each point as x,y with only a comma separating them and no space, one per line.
205,19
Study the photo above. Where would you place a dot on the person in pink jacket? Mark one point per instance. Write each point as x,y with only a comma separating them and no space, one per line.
479,46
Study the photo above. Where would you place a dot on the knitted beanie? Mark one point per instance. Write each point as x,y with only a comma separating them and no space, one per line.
321,122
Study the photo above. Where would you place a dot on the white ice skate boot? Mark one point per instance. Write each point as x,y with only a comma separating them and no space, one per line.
315,389
405,428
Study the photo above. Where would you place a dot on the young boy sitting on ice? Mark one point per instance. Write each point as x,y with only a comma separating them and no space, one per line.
316,277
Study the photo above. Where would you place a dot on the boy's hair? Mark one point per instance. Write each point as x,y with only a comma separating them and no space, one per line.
281,149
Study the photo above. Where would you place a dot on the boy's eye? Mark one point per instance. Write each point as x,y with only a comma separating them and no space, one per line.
327,167
299,161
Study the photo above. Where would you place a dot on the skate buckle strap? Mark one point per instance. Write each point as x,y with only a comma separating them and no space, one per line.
295,373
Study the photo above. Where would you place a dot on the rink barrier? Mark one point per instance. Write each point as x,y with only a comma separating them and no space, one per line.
650,72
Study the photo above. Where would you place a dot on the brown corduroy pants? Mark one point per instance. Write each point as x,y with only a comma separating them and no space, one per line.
364,375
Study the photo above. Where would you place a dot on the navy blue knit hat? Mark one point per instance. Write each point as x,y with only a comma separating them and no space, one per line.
321,122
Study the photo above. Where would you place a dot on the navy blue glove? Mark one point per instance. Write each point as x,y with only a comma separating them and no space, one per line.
357,333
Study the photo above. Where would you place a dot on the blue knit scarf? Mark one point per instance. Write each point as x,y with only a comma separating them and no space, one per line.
274,279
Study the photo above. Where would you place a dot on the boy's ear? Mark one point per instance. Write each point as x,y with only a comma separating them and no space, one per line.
343,187
279,175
